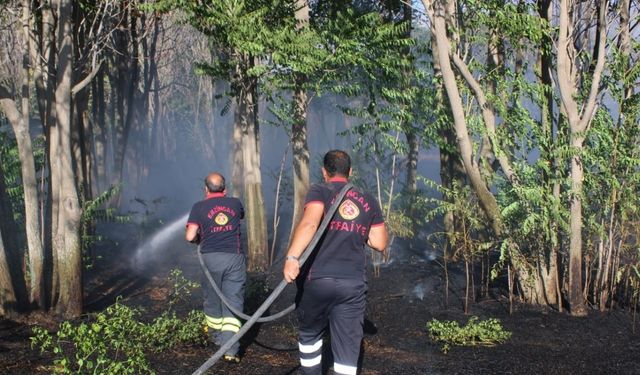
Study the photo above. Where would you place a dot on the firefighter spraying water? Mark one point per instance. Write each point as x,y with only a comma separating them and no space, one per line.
214,224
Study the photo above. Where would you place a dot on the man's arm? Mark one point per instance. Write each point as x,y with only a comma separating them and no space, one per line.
191,233
301,238
378,237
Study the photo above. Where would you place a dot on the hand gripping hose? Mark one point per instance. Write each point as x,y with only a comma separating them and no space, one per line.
278,289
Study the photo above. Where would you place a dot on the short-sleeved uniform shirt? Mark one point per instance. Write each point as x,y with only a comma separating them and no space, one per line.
341,252
218,219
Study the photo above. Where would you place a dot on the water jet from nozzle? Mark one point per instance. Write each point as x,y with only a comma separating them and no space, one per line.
158,242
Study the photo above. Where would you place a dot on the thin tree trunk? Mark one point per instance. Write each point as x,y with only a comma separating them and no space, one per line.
30,188
486,199
299,147
579,118
99,132
549,273
300,152
13,291
8,298
237,163
257,245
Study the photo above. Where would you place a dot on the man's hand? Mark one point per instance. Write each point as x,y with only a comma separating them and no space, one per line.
291,269
192,234
301,237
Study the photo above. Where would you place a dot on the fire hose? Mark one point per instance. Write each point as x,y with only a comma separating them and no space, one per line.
256,317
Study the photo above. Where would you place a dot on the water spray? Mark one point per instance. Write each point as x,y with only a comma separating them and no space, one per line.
158,240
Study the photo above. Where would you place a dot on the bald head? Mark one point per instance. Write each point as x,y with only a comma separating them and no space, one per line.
214,182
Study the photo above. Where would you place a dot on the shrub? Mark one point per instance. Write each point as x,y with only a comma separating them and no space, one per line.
475,333
116,341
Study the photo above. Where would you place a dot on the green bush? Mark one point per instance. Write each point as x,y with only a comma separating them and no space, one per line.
117,341
475,333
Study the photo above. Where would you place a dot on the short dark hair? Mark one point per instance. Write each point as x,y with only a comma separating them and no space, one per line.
337,162
211,185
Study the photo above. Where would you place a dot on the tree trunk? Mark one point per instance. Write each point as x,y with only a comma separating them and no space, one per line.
300,155
257,246
237,164
579,118
485,197
13,291
413,141
8,298
69,304
99,131
451,168
299,147
127,82
549,270
576,298
20,124
29,184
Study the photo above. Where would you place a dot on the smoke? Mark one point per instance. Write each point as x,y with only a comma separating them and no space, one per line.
173,178
418,291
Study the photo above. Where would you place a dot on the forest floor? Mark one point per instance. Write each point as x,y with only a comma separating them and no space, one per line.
401,301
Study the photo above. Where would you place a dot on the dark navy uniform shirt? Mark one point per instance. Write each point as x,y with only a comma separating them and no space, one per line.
218,220
341,252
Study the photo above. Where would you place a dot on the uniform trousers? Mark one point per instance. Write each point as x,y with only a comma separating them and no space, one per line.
338,304
229,273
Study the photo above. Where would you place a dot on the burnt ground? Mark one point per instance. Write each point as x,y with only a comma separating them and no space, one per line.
401,301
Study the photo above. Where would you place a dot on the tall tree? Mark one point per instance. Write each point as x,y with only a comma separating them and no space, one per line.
439,12
579,116
242,32
19,119
67,238
13,291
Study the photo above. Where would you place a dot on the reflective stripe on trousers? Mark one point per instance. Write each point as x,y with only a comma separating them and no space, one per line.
339,303
229,272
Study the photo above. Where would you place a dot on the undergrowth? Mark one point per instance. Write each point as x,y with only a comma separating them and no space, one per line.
475,333
116,340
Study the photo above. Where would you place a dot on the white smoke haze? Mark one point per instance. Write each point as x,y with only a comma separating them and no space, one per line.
418,291
172,183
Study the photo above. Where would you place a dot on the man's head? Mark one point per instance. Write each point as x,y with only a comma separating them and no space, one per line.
214,183
337,163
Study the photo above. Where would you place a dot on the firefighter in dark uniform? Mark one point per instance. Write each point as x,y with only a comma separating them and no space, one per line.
214,224
332,285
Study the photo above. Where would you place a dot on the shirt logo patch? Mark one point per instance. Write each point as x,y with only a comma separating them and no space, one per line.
348,210
221,219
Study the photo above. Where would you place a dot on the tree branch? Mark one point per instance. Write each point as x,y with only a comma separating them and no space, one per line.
8,104
590,106
82,84
487,115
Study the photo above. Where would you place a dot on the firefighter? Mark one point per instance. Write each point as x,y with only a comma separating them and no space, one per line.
214,224
332,284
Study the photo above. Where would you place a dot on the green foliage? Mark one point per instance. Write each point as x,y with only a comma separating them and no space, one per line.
10,161
475,333
400,224
465,239
181,287
12,175
116,341
94,212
